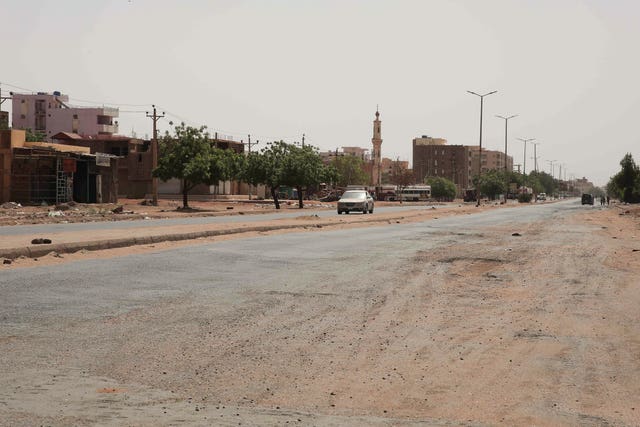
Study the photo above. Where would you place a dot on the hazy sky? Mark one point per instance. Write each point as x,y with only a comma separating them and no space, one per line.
277,69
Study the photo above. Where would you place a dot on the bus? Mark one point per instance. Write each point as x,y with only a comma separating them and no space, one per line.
416,193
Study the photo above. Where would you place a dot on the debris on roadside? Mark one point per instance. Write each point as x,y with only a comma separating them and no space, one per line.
6,261
41,241
516,234
64,206
55,213
10,205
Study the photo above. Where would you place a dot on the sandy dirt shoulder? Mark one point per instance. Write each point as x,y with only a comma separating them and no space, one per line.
490,329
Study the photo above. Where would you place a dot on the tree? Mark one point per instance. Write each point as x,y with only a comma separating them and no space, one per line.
269,167
442,189
34,136
492,183
350,170
190,156
304,169
627,181
547,183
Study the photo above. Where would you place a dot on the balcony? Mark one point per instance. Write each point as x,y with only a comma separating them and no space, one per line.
107,129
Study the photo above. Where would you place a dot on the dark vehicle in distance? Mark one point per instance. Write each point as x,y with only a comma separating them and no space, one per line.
470,195
587,199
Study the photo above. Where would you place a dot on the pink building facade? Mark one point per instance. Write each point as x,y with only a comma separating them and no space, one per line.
51,114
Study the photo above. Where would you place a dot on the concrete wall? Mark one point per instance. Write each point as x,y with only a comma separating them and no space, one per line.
8,140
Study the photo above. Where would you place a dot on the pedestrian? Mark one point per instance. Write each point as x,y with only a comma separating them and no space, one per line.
608,200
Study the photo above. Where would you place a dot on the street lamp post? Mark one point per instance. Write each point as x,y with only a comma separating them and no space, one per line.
551,162
524,160
480,152
535,155
506,120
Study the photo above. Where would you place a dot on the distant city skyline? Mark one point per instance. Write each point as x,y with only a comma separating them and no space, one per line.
282,68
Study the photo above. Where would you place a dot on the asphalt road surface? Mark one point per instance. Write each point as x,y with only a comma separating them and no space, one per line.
111,225
445,322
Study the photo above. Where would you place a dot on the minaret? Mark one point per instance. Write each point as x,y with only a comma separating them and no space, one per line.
376,170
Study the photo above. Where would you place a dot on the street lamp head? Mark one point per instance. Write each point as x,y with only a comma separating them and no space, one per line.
481,96
525,140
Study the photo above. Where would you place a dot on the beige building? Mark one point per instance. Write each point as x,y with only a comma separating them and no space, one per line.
51,114
427,140
458,163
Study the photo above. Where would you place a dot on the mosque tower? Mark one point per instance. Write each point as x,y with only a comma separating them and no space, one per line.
376,170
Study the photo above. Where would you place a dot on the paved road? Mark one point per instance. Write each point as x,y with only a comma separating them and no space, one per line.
324,328
236,262
111,225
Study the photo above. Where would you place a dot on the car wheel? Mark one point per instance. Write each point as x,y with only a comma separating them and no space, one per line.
365,210
371,211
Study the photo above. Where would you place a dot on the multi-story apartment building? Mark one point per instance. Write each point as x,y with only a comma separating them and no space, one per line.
50,114
458,163
491,160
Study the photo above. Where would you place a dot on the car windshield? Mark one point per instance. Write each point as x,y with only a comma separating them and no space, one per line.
354,195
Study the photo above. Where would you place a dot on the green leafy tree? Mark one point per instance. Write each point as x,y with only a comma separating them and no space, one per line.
627,181
34,136
492,183
612,188
269,167
442,188
350,171
304,170
190,157
547,183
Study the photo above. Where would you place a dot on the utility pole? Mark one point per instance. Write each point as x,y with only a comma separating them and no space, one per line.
249,144
480,152
506,120
303,140
2,99
154,154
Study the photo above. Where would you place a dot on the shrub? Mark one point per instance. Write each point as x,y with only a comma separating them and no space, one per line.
525,197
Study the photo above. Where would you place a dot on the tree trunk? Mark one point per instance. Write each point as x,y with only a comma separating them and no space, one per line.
300,205
274,194
185,195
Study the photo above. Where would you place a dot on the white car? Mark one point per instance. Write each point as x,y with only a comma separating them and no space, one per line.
355,200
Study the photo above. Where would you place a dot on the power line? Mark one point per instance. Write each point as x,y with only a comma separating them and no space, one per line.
238,134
